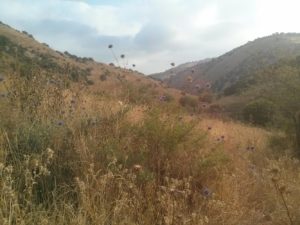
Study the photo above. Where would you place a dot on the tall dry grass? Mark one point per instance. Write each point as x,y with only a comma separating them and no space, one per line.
68,157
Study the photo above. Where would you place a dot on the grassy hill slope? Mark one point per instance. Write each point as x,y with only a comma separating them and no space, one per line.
123,150
229,68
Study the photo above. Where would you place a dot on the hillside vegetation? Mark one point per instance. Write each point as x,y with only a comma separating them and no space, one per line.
113,147
226,70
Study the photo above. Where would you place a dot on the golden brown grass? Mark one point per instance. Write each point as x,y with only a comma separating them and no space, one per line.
76,155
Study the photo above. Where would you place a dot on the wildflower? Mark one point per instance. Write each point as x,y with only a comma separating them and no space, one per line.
137,167
110,46
50,153
9,169
198,86
163,98
133,65
60,123
206,192
122,56
172,64
208,85
252,148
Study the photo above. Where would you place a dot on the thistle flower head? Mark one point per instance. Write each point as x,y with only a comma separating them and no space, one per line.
163,98
110,46
208,85
60,123
172,64
122,56
206,192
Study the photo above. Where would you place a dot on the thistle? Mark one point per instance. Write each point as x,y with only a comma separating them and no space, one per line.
113,53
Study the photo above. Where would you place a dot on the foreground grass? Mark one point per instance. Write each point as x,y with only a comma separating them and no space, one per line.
67,157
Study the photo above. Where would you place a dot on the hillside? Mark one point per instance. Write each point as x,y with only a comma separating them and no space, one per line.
227,69
20,51
177,69
85,143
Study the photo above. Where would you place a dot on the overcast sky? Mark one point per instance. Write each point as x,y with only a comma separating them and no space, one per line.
151,33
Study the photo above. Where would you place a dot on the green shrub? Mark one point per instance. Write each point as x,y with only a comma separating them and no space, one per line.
259,112
188,102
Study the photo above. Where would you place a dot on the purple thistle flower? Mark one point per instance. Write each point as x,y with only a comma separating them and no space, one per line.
198,86
206,192
208,85
252,148
60,123
163,98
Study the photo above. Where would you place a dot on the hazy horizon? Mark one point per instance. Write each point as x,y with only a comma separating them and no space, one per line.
153,33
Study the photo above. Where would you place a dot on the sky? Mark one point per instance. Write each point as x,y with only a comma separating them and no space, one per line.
151,33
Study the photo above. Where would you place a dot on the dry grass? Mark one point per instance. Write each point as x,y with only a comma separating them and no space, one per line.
117,163
113,153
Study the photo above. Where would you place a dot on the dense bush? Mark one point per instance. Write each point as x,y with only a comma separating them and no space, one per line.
188,102
259,112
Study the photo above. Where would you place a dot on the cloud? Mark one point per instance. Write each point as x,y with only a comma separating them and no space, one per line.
152,33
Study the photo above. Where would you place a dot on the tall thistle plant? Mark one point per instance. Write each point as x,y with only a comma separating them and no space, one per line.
110,47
